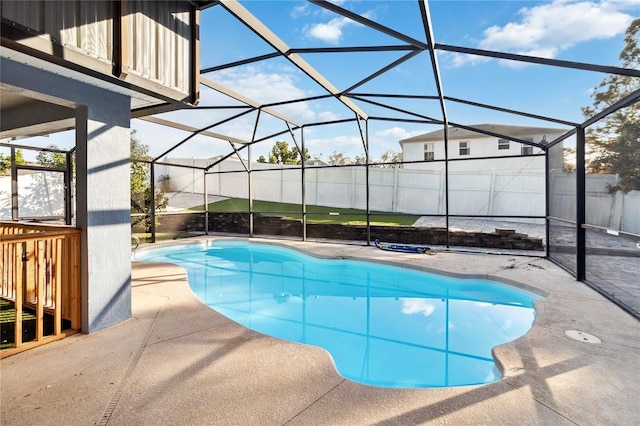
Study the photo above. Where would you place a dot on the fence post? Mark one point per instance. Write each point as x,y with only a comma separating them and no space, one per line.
394,198
20,286
617,207
580,203
441,200
492,190
354,189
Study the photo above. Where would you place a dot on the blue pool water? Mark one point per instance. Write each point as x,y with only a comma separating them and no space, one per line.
383,325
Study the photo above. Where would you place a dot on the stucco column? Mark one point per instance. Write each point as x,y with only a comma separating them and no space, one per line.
103,209
102,184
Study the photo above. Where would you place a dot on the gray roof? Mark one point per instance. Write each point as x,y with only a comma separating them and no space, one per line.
456,133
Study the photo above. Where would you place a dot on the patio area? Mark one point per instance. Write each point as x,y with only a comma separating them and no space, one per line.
179,362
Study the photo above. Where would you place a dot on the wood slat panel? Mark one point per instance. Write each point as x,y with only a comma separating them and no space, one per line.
74,279
57,316
40,284
47,280
19,283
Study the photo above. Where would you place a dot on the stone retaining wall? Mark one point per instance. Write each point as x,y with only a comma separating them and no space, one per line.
238,223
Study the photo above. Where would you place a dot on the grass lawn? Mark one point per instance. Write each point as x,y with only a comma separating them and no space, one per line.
315,214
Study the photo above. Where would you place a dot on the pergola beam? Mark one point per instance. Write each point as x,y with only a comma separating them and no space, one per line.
186,128
199,131
237,96
294,101
240,63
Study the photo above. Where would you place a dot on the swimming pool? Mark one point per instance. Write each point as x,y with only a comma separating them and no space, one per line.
383,325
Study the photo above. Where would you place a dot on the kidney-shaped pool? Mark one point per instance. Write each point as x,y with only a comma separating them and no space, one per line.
383,325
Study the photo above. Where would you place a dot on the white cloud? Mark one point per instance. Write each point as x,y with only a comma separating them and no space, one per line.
460,59
258,85
559,25
397,133
417,306
548,29
348,144
268,87
301,10
328,116
331,32
351,145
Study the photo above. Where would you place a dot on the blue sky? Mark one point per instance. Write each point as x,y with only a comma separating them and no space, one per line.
582,31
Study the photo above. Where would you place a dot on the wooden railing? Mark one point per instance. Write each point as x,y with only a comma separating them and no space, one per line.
40,282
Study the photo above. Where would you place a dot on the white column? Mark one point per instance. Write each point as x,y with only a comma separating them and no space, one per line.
103,209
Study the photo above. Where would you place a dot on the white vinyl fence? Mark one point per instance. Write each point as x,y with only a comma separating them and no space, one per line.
411,191
40,195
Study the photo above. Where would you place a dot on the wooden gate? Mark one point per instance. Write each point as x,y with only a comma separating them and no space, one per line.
39,285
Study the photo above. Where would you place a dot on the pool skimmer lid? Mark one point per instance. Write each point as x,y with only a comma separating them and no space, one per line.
581,336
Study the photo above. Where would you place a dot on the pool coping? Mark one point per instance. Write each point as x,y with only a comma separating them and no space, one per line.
148,368
406,259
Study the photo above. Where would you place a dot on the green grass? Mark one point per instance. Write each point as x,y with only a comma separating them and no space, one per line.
315,214
7,324
8,313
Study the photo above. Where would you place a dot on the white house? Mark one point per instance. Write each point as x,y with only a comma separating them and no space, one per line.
465,144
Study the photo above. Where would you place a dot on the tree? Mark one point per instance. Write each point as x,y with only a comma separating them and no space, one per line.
391,159
141,184
5,161
307,156
339,159
281,154
569,160
615,140
52,159
359,160
140,173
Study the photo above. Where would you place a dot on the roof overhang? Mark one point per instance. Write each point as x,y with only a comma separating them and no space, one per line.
19,107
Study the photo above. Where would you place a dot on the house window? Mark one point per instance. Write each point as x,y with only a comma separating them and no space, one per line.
465,149
429,154
503,144
527,149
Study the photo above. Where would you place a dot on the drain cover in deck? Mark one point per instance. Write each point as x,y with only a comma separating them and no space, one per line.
582,336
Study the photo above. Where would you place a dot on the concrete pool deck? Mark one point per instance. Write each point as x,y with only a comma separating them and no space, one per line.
179,362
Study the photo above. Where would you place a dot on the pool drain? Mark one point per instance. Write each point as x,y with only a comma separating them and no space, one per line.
581,336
